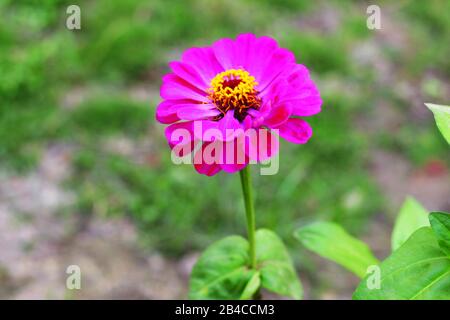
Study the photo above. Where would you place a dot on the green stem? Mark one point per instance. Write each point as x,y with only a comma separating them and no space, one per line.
246,182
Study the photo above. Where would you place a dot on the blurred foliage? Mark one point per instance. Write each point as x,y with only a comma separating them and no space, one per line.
124,43
121,115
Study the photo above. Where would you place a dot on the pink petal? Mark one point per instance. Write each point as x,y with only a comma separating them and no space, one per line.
275,90
232,168
168,111
208,169
298,90
180,135
244,47
224,50
281,62
198,112
295,130
174,87
259,55
229,125
203,61
233,156
207,130
262,146
247,123
299,75
278,115
164,114
307,106
302,93
189,74
201,164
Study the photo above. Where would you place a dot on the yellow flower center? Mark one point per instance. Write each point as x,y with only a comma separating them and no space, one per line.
234,89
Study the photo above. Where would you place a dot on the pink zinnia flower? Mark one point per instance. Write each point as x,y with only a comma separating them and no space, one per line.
237,84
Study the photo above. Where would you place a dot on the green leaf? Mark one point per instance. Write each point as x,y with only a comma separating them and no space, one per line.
222,270
440,223
412,216
252,287
417,270
331,241
442,118
277,271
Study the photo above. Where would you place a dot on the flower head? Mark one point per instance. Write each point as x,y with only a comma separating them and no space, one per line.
217,94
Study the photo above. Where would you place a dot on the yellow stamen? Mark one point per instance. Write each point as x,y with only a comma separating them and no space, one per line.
234,89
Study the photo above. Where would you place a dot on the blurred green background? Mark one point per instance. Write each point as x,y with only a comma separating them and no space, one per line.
92,93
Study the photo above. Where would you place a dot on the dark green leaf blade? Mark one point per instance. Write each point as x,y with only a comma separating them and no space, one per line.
277,271
222,270
442,118
412,216
417,270
332,242
440,223
252,287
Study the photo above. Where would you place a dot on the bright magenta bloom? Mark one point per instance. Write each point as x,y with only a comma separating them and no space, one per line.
237,84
